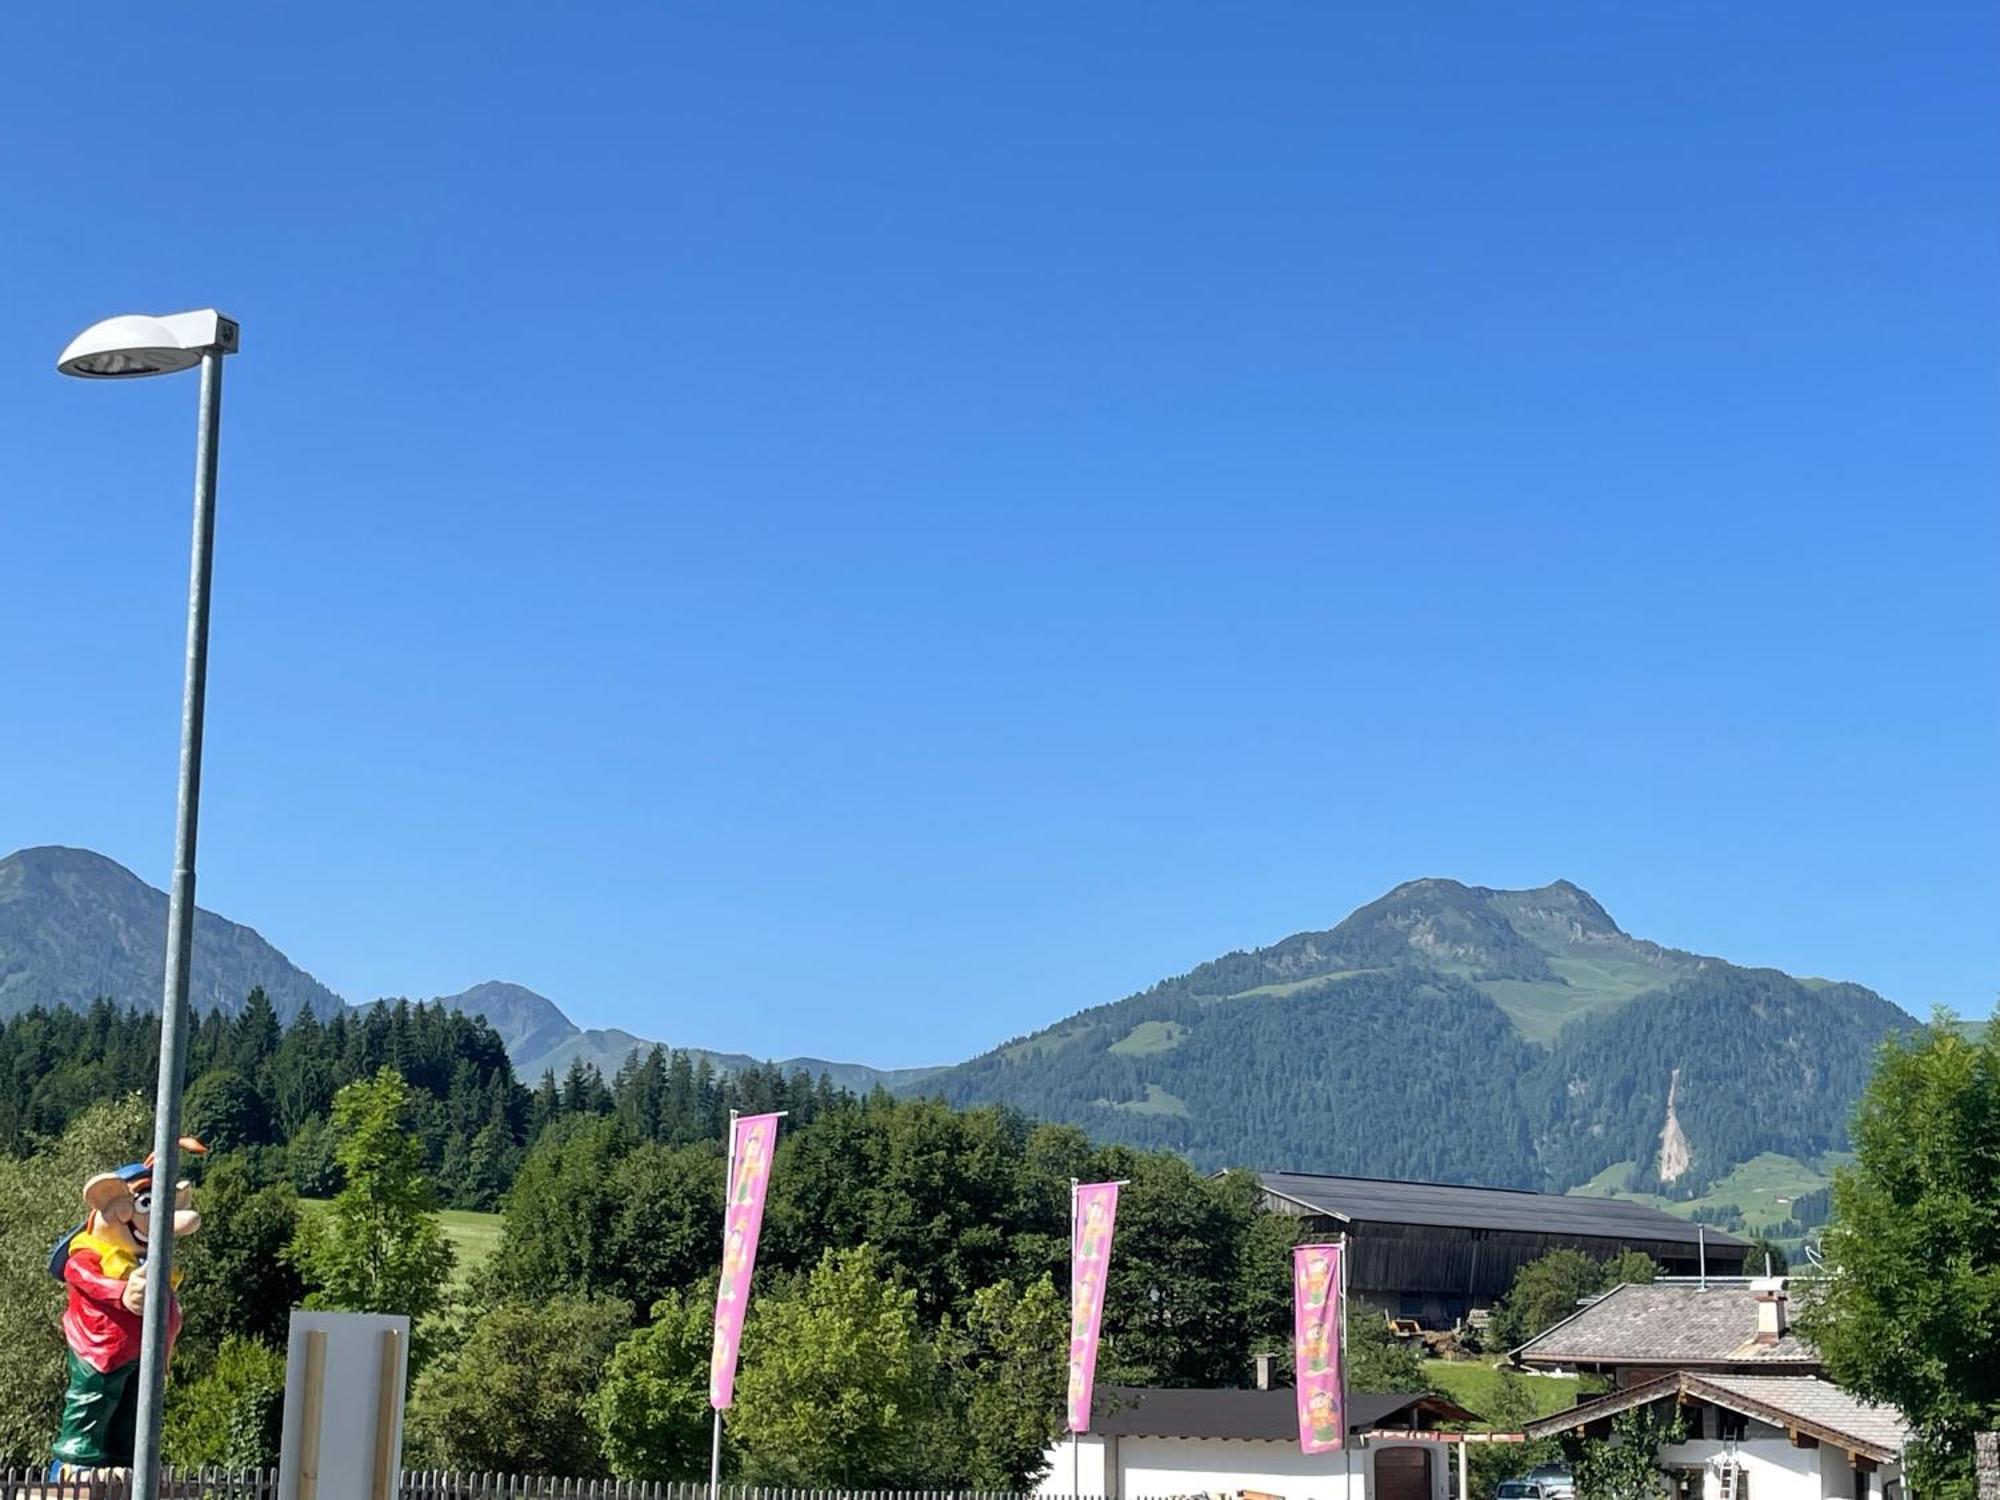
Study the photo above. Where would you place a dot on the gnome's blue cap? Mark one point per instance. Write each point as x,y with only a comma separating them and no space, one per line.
140,1173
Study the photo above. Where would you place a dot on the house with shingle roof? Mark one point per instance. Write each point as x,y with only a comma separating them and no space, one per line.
1760,1421
1636,1332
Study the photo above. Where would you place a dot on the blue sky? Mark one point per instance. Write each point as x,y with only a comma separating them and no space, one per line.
861,529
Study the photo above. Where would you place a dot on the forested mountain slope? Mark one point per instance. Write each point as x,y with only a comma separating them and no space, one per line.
1518,1038
1400,1073
1443,1031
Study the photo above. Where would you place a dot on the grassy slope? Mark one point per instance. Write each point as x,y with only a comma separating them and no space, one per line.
1756,1187
1149,1037
1539,1008
1157,1102
474,1236
1473,1384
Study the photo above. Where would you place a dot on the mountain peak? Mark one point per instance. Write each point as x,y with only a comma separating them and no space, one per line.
53,860
1562,918
530,1025
77,926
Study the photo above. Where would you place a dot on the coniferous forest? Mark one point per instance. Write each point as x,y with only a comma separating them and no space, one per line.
264,1090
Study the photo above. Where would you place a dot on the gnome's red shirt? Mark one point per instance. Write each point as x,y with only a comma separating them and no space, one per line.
96,1325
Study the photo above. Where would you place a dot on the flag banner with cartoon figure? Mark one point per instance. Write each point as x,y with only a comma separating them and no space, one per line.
749,1174
1090,1258
1316,1312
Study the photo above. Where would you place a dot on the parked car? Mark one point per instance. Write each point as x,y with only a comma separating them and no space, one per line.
1555,1479
1521,1489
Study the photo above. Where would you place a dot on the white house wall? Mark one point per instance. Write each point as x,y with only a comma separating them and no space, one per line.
1773,1469
1141,1468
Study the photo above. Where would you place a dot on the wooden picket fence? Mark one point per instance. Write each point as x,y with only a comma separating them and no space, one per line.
430,1484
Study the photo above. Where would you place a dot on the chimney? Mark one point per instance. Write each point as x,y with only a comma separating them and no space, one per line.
1263,1370
1770,1294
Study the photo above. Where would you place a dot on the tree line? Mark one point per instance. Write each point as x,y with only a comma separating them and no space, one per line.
267,1091
908,1326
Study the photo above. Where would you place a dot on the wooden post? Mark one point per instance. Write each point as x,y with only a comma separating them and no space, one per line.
310,1400
388,1386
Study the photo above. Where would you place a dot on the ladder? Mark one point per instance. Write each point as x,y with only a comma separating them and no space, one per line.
1731,1476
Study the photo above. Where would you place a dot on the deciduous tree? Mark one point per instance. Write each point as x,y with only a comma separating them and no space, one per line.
1548,1289
1008,1377
651,1410
515,1394
241,1279
837,1386
1626,1465
1910,1316
230,1415
377,1247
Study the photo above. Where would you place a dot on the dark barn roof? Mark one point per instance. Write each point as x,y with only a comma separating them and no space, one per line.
1374,1200
1265,1416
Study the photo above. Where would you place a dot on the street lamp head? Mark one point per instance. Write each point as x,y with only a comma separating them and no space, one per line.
120,348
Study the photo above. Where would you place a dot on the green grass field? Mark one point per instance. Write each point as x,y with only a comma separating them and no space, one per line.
474,1236
1762,1187
1149,1037
1473,1384
1157,1102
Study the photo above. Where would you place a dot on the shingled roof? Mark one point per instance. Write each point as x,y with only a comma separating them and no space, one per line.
1267,1415
1451,1205
1800,1403
1668,1323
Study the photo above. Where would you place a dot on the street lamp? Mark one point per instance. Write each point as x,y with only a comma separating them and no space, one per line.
116,349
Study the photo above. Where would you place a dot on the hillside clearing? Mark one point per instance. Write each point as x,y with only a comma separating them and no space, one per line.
1762,1187
473,1236
1475,1385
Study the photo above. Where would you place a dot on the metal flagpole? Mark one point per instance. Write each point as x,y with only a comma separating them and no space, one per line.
1075,1437
1347,1426
715,1432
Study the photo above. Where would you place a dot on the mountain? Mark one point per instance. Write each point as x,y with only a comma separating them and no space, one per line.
1453,1032
1445,1031
75,926
541,1039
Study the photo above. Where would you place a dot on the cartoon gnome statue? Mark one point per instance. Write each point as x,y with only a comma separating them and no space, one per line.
103,1264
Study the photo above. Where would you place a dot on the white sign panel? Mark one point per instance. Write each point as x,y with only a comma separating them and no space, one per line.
343,1432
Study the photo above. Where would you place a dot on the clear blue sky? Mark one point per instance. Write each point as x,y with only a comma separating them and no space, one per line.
860,529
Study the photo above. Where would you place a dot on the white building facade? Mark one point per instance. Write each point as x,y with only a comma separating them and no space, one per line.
1165,1445
1758,1437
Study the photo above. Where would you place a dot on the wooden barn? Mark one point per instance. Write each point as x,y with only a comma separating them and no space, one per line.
1437,1253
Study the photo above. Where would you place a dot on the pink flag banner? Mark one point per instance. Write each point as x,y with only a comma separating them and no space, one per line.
1096,1212
750,1151
1317,1303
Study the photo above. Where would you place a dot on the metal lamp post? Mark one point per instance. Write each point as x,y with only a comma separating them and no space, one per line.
125,348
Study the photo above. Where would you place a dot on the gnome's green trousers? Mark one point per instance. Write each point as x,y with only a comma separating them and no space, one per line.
100,1416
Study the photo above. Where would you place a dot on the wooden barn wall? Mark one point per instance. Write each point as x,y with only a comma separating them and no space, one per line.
1390,1260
